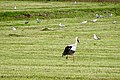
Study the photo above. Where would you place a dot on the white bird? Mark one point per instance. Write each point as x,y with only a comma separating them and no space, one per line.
84,22
95,37
14,29
70,49
111,15
97,16
15,8
114,22
94,20
61,25
37,20
75,2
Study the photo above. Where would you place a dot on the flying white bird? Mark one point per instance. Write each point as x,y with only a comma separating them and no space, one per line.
61,25
37,20
84,22
70,49
15,8
114,22
94,20
95,37
14,29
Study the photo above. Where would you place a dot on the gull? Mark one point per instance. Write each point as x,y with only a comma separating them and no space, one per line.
61,25
114,22
14,29
95,37
110,14
37,20
84,22
75,2
15,8
94,20
97,16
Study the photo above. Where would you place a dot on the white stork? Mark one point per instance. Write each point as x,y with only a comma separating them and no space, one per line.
70,49
95,37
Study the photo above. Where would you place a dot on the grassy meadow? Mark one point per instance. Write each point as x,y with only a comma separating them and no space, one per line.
33,51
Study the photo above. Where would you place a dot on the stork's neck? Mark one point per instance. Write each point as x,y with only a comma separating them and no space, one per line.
76,41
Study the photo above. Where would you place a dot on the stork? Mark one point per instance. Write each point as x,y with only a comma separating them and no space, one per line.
70,49
94,20
95,37
61,25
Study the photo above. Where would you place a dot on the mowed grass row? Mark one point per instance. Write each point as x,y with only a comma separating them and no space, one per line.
36,54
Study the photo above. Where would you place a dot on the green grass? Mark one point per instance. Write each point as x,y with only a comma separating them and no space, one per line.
31,53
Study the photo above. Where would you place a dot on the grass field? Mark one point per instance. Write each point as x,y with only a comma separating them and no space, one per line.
29,53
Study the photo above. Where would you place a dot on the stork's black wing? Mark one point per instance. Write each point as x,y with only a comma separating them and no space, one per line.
67,50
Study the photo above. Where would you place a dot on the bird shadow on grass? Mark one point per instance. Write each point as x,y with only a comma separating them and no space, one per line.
46,29
15,35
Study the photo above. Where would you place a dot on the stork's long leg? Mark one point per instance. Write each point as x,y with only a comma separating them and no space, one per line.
66,56
73,58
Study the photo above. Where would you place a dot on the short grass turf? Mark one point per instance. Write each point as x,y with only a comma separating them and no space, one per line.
34,50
